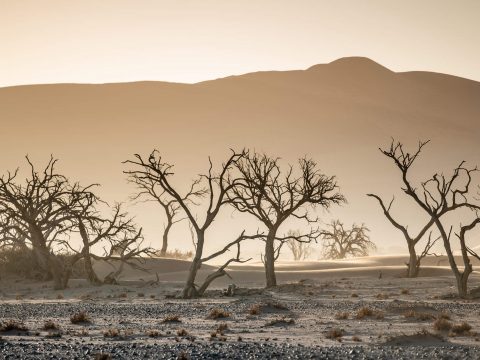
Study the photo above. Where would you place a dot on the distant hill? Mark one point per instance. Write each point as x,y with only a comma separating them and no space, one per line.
338,113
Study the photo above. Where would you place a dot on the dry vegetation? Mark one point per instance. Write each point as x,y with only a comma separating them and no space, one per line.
218,313
80,318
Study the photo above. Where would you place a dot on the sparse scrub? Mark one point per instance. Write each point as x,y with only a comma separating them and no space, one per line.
50,325
405,292
182,332
354,295
280,322
368,312
461,329
342,315
421,316
442,325
111,333
356,339
218,313
80,318
140,294
13,325
335,334
172,319
102,356
154,333
381,296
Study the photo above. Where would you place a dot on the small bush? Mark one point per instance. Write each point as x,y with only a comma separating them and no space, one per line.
172,319
356,339
342,315
334,334
354,295
255,309
421,316
218,313
280,322
80,318
12,325
111,333
381,296
182,332
405,292
367,312
460,329
102,356
122,295
154,333
442,325
140,294
222,327
50,325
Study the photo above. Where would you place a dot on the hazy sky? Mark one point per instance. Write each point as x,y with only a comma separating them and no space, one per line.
187,41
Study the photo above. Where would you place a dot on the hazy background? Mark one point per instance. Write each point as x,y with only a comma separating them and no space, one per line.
92,41
338,113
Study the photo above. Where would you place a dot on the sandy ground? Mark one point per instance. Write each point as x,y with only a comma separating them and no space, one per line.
318,305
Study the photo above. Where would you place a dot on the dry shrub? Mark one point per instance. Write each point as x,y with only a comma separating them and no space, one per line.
182,355
257,309
222,327
50,325
442,325
13,325
368,312
172,319
354,295
356,339
461,329
405,292
80,318
280,322
176,254
102,356
444,315
342,315
123,295
218,313
182,332
60,296
154,333
381,296
421,316
111,333
334,334
140,294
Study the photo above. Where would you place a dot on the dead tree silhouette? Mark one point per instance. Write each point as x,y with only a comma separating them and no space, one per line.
272,196
338,242
438,196
215,190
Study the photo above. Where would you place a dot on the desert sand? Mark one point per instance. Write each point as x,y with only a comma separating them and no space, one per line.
351,308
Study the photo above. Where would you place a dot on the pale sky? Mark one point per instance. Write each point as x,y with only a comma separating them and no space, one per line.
93,41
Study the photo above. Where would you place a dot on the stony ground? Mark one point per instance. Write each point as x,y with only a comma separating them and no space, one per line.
345,318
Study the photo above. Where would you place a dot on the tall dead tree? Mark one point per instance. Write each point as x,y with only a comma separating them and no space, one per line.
215,190
148,189
404,161
42,211
338,242
438,196
273,196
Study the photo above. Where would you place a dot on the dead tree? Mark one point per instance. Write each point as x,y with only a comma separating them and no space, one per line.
119,237
273,196
42,211
340,243
404,162
300,250
217,186
438,196
148,189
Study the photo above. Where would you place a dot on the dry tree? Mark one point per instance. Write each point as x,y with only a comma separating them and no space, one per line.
404,161
41,212
300,250
338,242
149,190
271,195
213,186
438,197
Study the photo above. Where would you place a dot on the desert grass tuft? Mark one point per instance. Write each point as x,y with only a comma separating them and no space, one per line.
218,313
335,334
80,318
342,315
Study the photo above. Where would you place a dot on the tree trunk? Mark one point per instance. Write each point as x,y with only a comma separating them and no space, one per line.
163,250
413,262
270,259
88,266
189,291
